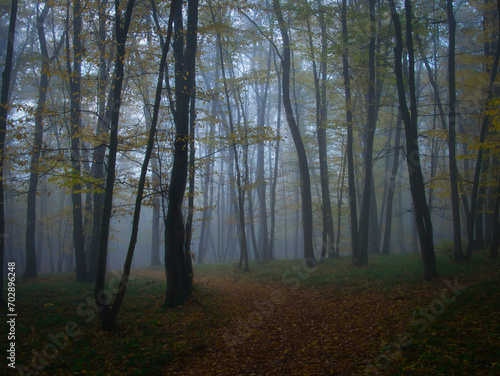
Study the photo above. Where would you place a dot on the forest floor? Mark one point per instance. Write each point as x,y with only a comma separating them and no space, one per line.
281,318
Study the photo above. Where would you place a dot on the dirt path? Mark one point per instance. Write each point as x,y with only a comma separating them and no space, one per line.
280,329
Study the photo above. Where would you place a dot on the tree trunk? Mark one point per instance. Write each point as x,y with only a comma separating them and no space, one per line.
457,236
6,76
364,221
75,120
409,117
177,266
391,188
479,161
31,257
103,121
307,218
276,166
142,181
207,186
121,37
350,138
495,243
240,206
260,182
328,243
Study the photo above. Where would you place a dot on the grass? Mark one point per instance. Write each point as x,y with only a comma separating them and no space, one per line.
383,271
151,338
463,340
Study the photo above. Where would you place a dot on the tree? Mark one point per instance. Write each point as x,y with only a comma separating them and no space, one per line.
364,222
98,161
409,117
261,99
4,106
305,179
479,161
75,120
391,188
457,237
495,243
111,321
328,245
121,31
350,137
31,258
177,257
240,205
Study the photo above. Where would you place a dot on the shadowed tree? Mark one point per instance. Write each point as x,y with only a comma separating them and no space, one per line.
351,187
31,258
178,265
455,202
115,309
75,121
328,241
305,179
409,117
480,155
364,222
4,106
121,31
103,121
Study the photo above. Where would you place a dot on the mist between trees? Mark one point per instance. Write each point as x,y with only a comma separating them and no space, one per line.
309,129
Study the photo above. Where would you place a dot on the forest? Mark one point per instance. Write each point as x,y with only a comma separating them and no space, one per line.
268,187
